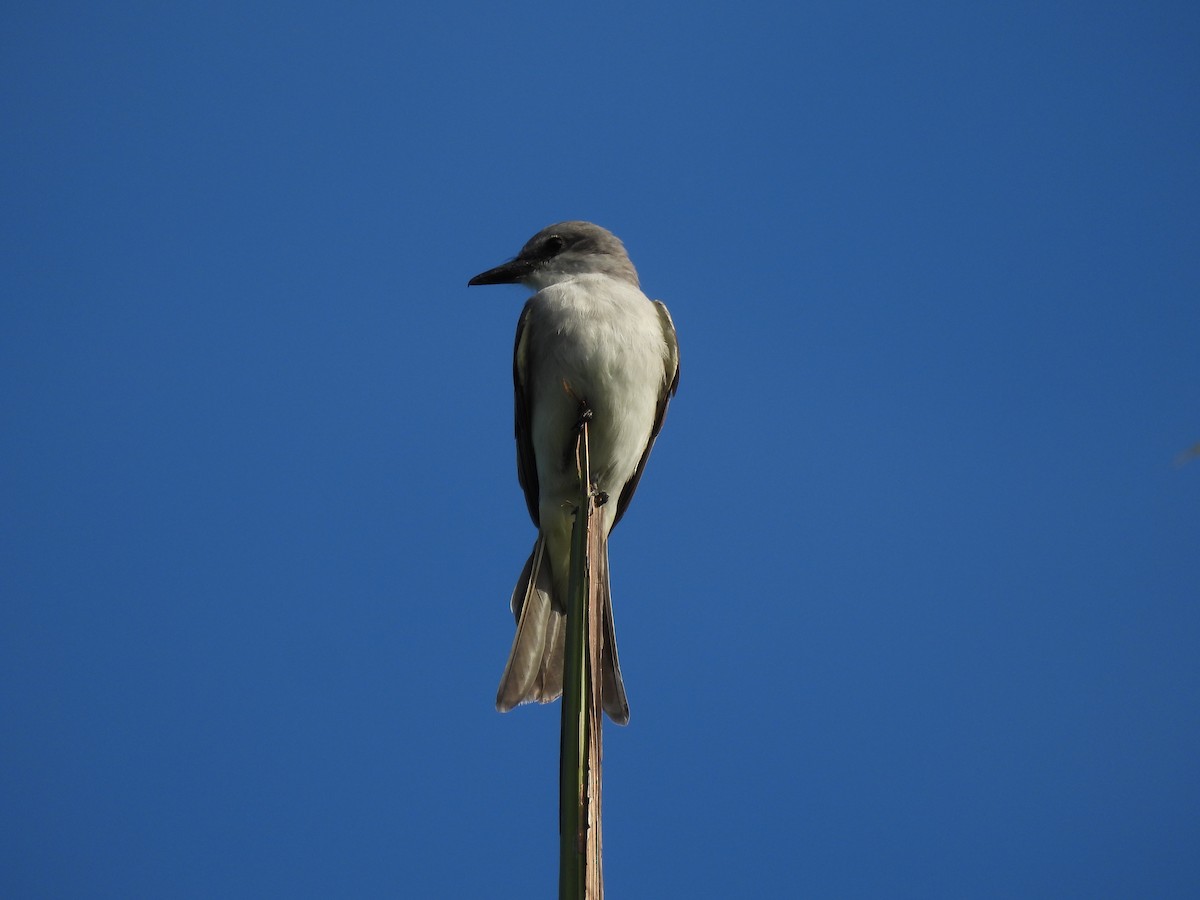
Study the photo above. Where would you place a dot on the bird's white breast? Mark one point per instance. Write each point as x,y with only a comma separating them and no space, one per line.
600,340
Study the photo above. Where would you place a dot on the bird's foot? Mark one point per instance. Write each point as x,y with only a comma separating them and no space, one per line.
571,451
585,415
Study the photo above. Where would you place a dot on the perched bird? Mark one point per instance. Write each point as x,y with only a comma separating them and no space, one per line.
589,343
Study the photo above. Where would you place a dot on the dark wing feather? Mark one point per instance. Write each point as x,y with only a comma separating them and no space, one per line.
526,463
670,386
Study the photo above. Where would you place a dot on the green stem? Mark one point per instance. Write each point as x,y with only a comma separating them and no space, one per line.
574,759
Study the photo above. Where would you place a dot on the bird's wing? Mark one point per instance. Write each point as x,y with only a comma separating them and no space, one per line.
670,385
526,463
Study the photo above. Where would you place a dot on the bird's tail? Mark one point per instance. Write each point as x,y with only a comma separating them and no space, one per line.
612,693
535,664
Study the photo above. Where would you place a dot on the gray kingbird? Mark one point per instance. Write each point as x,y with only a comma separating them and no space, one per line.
589,339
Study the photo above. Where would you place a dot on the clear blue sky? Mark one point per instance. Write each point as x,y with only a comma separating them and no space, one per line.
909,599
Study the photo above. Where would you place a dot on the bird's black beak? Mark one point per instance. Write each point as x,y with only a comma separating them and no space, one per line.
509,273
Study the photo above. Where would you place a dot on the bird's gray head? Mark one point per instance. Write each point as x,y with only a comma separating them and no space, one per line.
561,252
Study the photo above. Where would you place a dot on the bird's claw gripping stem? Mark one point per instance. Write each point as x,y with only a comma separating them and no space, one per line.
585,415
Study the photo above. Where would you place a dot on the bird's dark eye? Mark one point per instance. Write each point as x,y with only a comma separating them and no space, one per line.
554,245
